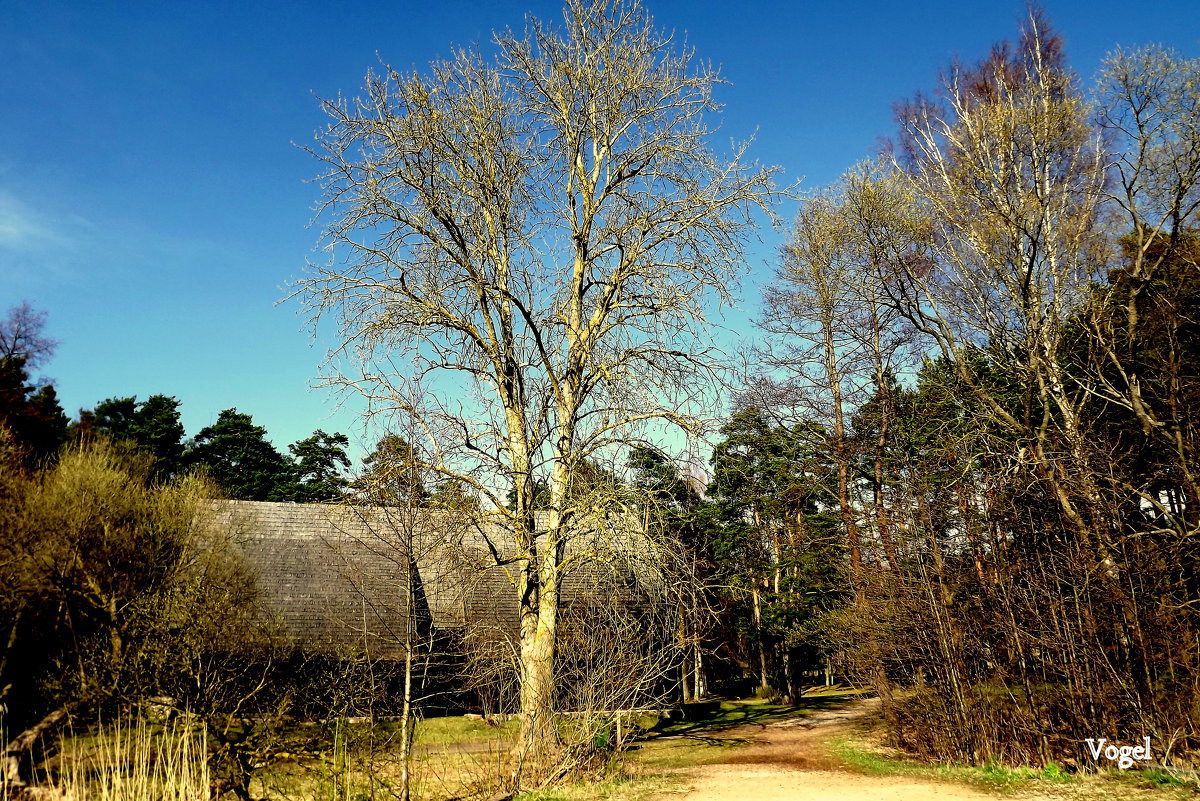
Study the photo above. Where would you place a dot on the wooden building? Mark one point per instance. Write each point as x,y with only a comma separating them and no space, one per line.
351,581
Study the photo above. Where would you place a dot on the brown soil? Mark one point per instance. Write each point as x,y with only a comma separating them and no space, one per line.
791,761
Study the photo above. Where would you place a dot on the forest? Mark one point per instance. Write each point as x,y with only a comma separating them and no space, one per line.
960,473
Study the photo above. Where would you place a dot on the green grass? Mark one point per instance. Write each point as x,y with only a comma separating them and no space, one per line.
1053,780
864,758
458,729
613,788
1162,778
1164,783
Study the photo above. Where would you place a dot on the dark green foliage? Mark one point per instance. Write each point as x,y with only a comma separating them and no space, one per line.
238,456
31,413
453,494
319,462
777,548
541,495
765,469
588,479
392,474
672,499
1152,322
153,427
113,416
234,451
157,428
765,478
657,476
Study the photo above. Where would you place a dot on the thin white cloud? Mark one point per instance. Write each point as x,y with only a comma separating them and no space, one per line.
23,230
38,247
44,243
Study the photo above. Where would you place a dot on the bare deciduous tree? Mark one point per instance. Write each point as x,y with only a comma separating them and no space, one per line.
402,523
1150,108
548,227
21,336
1010,170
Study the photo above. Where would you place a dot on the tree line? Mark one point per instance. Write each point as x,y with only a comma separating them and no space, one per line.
987,335
233,451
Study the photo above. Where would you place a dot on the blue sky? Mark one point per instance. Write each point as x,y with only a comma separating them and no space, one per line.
153,203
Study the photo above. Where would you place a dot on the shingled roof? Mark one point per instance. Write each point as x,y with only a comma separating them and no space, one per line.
335,575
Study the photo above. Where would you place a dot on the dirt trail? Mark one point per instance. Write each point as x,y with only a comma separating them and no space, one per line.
791,761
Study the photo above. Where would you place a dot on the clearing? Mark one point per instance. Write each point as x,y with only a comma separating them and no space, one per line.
792,760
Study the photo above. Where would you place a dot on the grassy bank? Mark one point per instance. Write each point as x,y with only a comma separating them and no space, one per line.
864,752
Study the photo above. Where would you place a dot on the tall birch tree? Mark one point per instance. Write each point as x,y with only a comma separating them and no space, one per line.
1010,172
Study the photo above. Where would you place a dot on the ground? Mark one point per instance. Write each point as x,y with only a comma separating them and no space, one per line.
793,760
828,747
804,759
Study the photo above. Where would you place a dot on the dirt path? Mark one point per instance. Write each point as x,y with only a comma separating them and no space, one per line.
791,761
